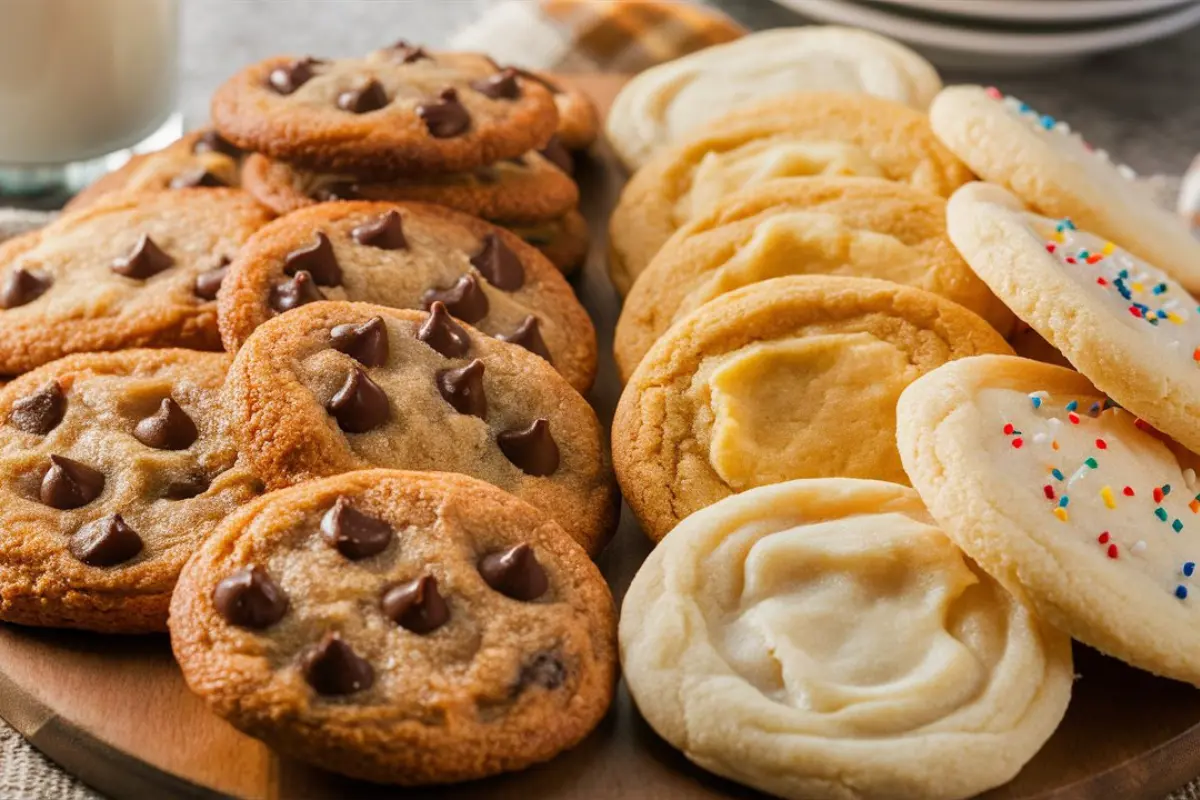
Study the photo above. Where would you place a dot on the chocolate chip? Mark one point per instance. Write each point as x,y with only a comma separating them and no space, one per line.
197,178
338,190
464,299
299,291
40,412
332,667
462,388
145,260
556,153
417,606
533,76
407,53
545,670
370,97
212,142
501,86
290,77
169,428
318,260
515,573
499,264
209,283
443,334
528,335
186,489
250,598
69,484
360,405
105,543
23,286
532,449
354,534
366,343
445,117
385,233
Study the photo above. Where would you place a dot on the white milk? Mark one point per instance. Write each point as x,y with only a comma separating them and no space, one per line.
83,78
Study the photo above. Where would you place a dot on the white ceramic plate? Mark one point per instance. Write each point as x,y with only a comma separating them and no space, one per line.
959,45
1041,10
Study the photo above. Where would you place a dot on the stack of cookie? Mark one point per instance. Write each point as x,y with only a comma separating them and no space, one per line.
389,484
810,329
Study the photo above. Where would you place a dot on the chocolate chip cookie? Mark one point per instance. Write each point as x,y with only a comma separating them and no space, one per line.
400,110
201,159
411,255
578,119
399,627
129,271
113,467
564,241
335,387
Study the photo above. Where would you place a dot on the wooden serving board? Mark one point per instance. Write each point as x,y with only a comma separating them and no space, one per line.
115,711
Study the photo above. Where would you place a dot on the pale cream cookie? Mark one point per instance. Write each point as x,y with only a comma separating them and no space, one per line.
794,377
814,133
664,103
823,639
1071,502
1058,174
1125,324
861,227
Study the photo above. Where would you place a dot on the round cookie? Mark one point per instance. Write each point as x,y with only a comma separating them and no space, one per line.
578,118
1071,502
794,377
817,133
335,387
565,241
523,190
1057,174
113,468
201,159
666,103
399,627
1126,325
397,111
127,271
861,227
408,255
823,639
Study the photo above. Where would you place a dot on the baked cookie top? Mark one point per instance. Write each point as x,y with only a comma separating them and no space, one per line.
113,468
525,189
410,255
201,159
399,110
127,271
1124,323
335,387
1055,172
663,104
820,634
861,227
399,627
798,135
795,377
1074,504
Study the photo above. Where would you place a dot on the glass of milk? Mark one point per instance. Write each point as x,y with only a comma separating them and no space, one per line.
83,84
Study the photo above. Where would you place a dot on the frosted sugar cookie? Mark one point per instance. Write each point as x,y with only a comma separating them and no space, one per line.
1058,174
1071,502
824,639
660,105
1122,322
795,377
817,133
830,226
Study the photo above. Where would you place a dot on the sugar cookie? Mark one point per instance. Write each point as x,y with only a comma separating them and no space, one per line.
794,377
861,227
823,639
1056,173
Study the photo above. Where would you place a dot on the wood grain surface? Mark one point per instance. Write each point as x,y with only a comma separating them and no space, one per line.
115,711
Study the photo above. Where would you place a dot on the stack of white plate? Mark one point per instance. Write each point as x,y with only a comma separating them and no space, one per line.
1009,34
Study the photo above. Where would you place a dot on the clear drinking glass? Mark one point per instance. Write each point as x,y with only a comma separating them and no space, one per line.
83,84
